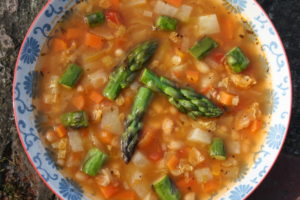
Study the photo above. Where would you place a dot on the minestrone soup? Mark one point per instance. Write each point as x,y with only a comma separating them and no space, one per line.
152,99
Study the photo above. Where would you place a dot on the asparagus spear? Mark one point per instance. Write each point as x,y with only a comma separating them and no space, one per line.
134,124
127,70
217,149
94,160
166,189
76,119
185,100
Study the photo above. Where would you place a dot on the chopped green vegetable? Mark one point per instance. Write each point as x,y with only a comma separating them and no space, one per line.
126,72
203,47
76,119
236,60
185,100
134,123
217,149
166,189
166,23
94,160
95,19
71,76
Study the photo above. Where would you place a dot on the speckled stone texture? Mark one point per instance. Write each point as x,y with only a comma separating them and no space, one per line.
17,177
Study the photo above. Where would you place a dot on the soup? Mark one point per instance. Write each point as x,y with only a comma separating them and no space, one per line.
151,99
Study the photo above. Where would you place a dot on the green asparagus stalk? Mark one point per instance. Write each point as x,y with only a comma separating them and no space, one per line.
94,160
166,189
127,70
134,124
76,119
185,100
217,149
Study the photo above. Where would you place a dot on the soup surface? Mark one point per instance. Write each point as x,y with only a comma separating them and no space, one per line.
169,145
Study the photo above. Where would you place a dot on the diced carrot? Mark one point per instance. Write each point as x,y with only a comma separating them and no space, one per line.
58,45
96,97
225,98
109,191
112,16
255,125
228,28
216,169
218,57
126,195
61,131
172,162
94,41
106,137
148,137
192,76
185,184
177,73
72,33
156,155
120,42
78,102
183,152
176,3
211,186
115,3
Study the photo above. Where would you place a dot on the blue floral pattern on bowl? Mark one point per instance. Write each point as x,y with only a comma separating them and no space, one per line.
30,51
29,121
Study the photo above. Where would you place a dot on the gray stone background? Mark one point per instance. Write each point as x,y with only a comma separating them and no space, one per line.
18,181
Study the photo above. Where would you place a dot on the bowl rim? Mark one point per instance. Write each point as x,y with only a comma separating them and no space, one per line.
290,91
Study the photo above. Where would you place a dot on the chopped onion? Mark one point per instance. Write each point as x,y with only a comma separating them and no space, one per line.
136,2
98,78
147,13
203,175
184,13
111,121
200,136
139,159
75,141
208,24
234,147
163,8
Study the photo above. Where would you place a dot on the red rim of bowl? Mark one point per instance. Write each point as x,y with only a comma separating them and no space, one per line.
56,193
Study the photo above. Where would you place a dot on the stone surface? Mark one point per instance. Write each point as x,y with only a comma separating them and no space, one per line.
17,177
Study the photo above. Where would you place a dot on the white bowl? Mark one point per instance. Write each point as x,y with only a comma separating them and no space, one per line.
27,119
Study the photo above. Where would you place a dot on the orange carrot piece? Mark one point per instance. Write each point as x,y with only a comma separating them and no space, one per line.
106,137
72,33
58,45
115,3
156,155
79,102
183,152
192,76
109,191
126,195
94,41
211,186
96,97
228,29
172,162
225,98
176,3
256,125
185,185
61,131
147,138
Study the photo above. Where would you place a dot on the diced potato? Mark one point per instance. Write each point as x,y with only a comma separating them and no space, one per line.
233,147
200,136
163,8
184,13
75,141
208,25
190,196
203,175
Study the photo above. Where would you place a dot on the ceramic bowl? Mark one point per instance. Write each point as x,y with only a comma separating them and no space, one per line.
27,120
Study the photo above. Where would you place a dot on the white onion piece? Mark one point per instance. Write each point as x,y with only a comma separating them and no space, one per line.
139,159
208,24
203,175
202,67
199,136
111,121
184,13
163,8
234,147
136,2
75,141
98,78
